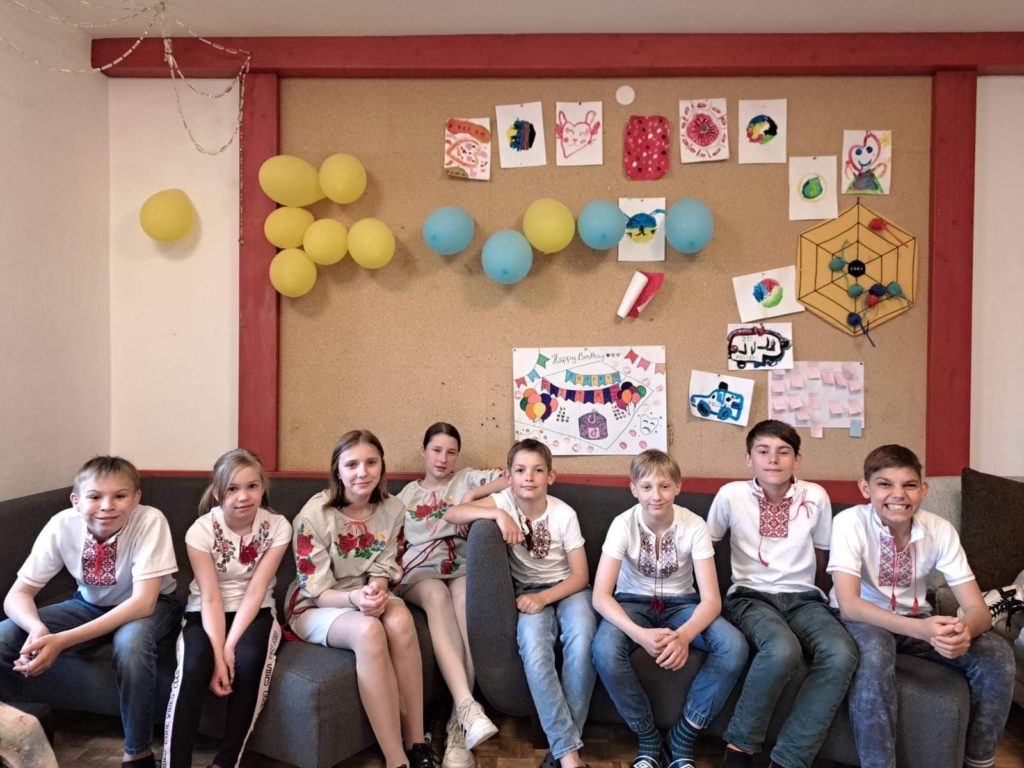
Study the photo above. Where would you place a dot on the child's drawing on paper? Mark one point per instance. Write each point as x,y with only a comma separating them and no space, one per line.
812,188
645,147
579,133
591,401
867,162
760,346
763,131
644,239
467,148
521,135
703,131
720,398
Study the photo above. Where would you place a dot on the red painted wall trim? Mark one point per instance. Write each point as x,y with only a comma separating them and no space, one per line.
257,300
951,265
590,55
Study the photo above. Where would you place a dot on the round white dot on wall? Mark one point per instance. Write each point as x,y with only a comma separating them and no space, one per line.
625,95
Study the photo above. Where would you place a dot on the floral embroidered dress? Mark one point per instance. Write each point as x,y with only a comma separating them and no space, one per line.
433,549
333,551
235,557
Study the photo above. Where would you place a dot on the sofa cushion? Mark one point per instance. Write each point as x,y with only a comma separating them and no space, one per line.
992,527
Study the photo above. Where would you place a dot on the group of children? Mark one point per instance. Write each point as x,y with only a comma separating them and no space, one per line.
360,554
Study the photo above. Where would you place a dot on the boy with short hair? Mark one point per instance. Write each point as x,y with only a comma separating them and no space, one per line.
780,529
549,569
882,552
120,553
644,590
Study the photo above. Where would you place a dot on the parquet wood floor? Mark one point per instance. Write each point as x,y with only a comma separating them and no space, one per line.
93,741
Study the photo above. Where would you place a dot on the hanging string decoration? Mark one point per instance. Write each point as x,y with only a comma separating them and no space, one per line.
857,271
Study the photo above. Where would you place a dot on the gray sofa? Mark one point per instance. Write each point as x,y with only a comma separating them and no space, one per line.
312,717
933,701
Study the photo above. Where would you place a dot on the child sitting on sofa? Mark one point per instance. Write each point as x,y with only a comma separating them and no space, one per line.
882,552
549,568
780,529
121,554
644,590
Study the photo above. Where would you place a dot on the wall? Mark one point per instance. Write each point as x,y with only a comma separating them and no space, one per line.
55,336
173,308
997,367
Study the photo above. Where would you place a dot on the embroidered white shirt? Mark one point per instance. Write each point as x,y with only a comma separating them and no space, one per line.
543,557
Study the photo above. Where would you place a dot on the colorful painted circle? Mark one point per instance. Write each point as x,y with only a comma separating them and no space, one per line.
812,187
761,129
702,130
768,293
521,135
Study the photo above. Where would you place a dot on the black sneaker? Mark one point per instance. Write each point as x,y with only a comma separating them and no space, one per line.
422,756
645,761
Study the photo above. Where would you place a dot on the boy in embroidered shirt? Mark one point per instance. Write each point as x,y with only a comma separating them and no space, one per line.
882,552
780,531
644,592
549,568
120,553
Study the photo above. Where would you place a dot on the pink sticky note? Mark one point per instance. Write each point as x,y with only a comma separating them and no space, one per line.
848,370
813,373
777,374
796,402
779,403
853,406
816,431
796,380
835,408
840,380
829,377
803,416
814,401
854,385
778,387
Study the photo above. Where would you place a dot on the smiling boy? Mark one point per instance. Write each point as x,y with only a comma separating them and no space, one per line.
882,552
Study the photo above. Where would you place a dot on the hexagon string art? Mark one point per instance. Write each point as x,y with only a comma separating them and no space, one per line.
857,271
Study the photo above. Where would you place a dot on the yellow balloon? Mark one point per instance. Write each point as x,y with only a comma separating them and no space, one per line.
548,225
371,243
285,227
326,241
342,178
290,180
292,273
167,216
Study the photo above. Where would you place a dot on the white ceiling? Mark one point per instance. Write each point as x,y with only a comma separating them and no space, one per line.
435,17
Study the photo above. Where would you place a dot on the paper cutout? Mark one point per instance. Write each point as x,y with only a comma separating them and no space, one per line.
645,147
761,295
867,162
592,401
822,400
721,398
467,148
641,289
856,428
760,346
703,130
778,387
812,188
780,403
521,135
645,233
857,271
762,131
579,133
816,430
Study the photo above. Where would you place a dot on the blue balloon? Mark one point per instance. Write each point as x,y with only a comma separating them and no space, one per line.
507,257
601,224
448,230
689,226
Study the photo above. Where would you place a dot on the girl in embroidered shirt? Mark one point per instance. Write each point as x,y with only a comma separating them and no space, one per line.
433,571
346,548
230,634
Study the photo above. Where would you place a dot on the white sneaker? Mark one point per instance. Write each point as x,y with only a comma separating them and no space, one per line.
455,753
475,724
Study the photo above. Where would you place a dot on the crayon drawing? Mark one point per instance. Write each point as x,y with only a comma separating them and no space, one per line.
579,133
467,148
645,232
760,346
724,399
867,162
520,135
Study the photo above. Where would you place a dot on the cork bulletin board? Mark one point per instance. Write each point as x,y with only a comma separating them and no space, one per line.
430,337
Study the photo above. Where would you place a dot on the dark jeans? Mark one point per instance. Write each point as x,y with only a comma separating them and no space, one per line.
782,629
989,668
254,665
135,652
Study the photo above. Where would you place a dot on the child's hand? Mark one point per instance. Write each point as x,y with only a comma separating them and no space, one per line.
674,653
954,644
229,661
38,655
462,530
372,599
653,639
938,626
531,603
509,530
220,682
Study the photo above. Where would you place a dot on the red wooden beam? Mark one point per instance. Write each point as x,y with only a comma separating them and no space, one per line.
590,55
257,300
951,265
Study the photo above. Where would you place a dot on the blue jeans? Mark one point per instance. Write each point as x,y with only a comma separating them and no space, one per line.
989,668
561,706
781,628
135,653
725,646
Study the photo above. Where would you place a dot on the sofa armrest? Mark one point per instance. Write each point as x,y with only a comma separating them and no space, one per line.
491,617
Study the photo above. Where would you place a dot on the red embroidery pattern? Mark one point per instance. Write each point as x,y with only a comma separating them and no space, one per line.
99,563
774,518
895,568
251,553
661,565
537,539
